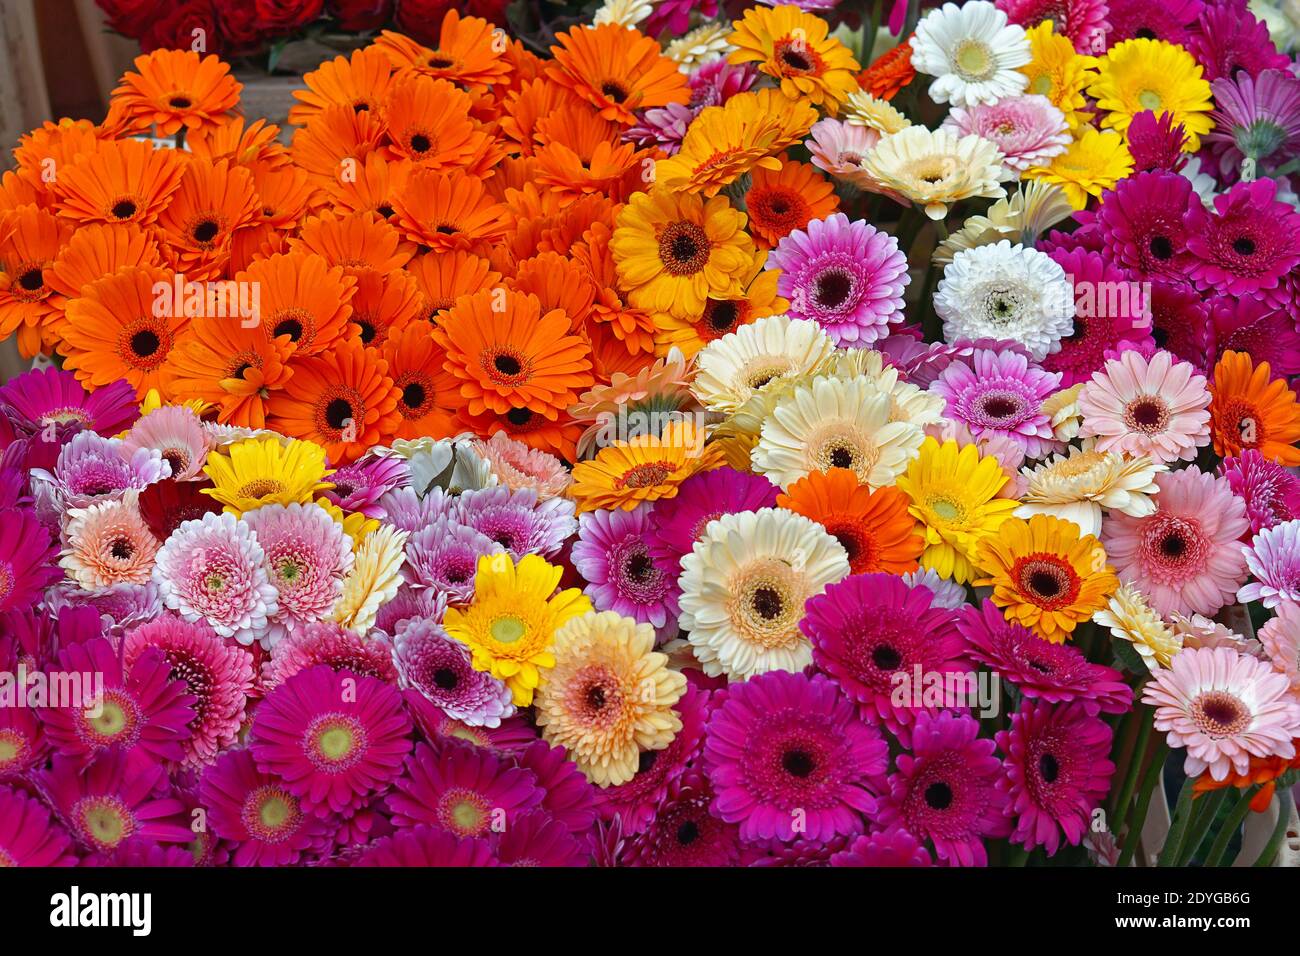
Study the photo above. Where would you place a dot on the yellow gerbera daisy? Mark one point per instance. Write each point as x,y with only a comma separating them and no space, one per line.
1090,165
1044,575
644,468
952,491
675,251
1130,618
373,580
1058,72
609,696
796,49
722,315
511,623
264,471
725,142
1141,74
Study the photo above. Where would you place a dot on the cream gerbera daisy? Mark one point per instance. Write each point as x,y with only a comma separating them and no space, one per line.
835,423
1062,411
907,402
863,109
744,587
757,360
704,44
1077,486
934,168
609,696
1130,619
373,580
1019,218
625,13
973,53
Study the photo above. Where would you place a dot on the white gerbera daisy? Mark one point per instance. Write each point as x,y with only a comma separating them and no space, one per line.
835,423
1006,292
744,587
934,168
972,51
757,359
907,402
626,13
702,45
1079,485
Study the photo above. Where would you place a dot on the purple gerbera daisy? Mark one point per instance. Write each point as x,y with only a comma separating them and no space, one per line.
1142,223
516,520
1156,142
1247,244
1171,21
26,560
1258,117
1273,557
438,666
538,839
787,755
48,397
92,468
683,832
361,485
869,629
848,277
407,511
428,846
444,557
892,846
1270,491
921,363
1111,314
29,836
1057,772
679,522
1231,39
946,789
612,554
1001,394
465,789
120,606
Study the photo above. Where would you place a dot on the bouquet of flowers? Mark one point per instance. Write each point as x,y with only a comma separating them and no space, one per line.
707,450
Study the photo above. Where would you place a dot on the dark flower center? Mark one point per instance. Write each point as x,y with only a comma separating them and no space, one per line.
445,678
767,603
1161,247
289,327
31,280
938,796
420,143
833,288
596,698
841,458
413,395
798,763
205,231
1173,546
683,248
639,567
886,658
1048,768
1243,246
145,342
688,833
124,209
338,413
614,91
519,416
180,102
122,549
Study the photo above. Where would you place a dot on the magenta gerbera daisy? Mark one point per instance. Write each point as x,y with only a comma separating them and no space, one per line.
848,277
1055,673
679,523
1028,129
1111,314
1261,330
29,836
1158,408
683,831
870,631
787,755
1184,557
1247,244
1156,142
22,742
438,666
333,737
326,642
1057,772
51,396
946,789
538,839
567,794
892,846
467,790
428,846
1270,491
1001,394
443,557
218,676
517,520
26,560
257,813
1230,38
1082,22
1172,21
360,486
1142,223
1273,557
613,555
307,557
1180,322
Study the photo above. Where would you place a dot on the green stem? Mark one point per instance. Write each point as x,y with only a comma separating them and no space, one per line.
1018,856
1269,853
1230,825
1207,813
1134,832
1120,811
1182,818
931,327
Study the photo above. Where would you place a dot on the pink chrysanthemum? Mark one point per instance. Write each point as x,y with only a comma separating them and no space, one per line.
443,557
1057,772
1271,492
120,606
518,466
1039,669
92,468
662,126
1028,129
848,277
428,846
1001,394
334,737
137,706
946,789
870,628
466,790
538,839
1082,22
1273,557
1230,38
700,499
1104,321
307,557
175,433
781,743
612,555
360,486
1172,21
26,560
326,642
1156,142
213,569
1141,224
1185,557
713,83
892,846
1247,244
1159,408
438,666
217,674
29,836
683,832
1225,708
258,814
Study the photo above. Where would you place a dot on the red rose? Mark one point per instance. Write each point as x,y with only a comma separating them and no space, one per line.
186,26
239,25
422,19
130,17
357,15
285,16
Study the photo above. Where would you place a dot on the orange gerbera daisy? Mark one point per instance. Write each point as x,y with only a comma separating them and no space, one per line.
889,72
384,305
443,277
232,365
255,145
722,315
506,353
258,241
52,147
582,155
119,181
360,82
360,242
781,201
617,70
111,332
211,203
283,196
95,251
469,52
873,526
428,123
303,297
372,187
429,394
337,140
527,106
558,436
646,468
343,400
559,283
1264,771
18,190
1251,410
446,211
797,50
177,88
30,240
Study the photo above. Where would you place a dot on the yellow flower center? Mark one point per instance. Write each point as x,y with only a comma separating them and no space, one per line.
974,61
1150,100
507,630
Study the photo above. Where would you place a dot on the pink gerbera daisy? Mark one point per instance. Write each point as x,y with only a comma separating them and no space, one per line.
1082,22
409,603
1057,772
1224,707
328,643
892,846
26,560
538,839
946,789
1185,557
175,433
428,846
1172,21
1001,394
1180,322
1247,244
1280,638
700,499
333,737
1103,322
1028,129
612,555
466,790
92,469
567,794
683,831
106,544
438,666
307,557
1273,557
1159,408
51,396
443,557
216,673
1141,223
360,486
22,742
1270,491
786,754
1156,142
1230,38
838,148
28,834
1260,329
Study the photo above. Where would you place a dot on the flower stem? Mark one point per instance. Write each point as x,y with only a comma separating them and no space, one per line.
1206,813
1230,825
1134,833
1182,817
1143,717
1269,853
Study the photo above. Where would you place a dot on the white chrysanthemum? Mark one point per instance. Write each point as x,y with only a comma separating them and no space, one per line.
934,168
758,358
744,587
863,109
1079,485
626,13
373,580
1131,619
973,53
702,45
907,402
835,423
1006,292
